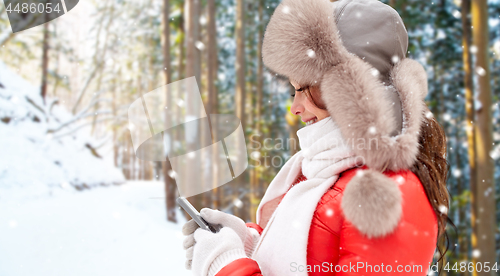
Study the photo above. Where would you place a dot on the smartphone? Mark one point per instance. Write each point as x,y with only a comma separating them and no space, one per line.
184,203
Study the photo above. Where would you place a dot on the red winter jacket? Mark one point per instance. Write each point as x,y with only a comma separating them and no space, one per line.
335,244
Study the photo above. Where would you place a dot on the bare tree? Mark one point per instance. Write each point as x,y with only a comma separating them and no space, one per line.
256,184
45,60
469,109
170,188
212,106
240,62
192,69
240,79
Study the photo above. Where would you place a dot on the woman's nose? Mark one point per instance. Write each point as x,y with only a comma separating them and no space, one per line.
297,108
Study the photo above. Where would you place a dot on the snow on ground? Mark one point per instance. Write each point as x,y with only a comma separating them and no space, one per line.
114,230
36,151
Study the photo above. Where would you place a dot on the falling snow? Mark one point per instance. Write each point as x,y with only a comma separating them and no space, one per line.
311,53
480,71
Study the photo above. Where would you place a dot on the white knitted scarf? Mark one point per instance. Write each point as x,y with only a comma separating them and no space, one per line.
323,156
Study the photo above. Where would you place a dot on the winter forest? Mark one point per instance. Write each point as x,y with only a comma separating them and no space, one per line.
75,199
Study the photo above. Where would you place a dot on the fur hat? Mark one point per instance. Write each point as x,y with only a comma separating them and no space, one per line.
365,87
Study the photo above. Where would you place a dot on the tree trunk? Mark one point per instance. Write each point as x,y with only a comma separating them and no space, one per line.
170,188
45,60
470,118
114,127
56,70
240,81
192,69
256,185
240,63
192,34
212,68
483,237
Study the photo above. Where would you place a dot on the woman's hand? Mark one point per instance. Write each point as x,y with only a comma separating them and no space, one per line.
248,236
188,231
211,252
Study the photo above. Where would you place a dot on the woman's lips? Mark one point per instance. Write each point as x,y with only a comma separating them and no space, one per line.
312,121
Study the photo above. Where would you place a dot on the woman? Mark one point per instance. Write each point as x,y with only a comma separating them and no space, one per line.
366,194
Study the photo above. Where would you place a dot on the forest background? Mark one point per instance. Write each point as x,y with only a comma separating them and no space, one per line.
102,55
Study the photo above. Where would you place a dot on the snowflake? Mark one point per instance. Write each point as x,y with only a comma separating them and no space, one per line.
480,71
238,203
203,20
495,154
360,173
171,173
446,117
286,9
443,209
476,253
200,45
473,49
311,53
255,154
329,212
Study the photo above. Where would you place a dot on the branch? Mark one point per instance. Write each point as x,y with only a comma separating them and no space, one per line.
79,127
87,83
81,114
77,118
35,105
9,34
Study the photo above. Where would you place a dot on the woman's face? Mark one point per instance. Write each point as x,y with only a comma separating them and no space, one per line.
304,107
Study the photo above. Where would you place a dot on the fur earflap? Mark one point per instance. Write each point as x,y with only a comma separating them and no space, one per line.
355,99
373,203
301,40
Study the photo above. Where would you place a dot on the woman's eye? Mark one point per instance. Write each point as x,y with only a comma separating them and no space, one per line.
293,95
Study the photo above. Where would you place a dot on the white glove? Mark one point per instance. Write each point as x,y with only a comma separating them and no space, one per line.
188,230
214,251
248,236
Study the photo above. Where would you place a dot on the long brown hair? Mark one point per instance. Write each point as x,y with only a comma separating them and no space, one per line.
432,170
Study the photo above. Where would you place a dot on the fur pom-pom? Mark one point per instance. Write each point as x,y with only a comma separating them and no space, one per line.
305,40
372,202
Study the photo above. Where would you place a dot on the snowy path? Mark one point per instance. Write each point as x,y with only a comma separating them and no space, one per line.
117,230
